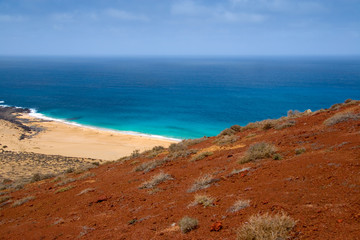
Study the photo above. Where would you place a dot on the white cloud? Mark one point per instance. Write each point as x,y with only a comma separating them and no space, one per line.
215,12
11,18
124,15
63,17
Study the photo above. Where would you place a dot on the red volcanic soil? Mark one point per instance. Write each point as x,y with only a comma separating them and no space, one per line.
319,188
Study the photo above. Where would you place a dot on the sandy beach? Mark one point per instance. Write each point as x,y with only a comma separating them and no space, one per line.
58,138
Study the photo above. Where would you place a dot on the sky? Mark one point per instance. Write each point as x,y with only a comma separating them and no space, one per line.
179,27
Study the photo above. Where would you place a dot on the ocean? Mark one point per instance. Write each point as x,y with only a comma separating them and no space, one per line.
175,97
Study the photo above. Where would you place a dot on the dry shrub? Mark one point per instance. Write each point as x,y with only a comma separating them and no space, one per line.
258,151
86,175
187,224
38,177
226,139
4,199
203,200
299,151
181,149
22,201
266,227
201,183
286,124
155,180
230,131
65,181
148,166
238,205
201,156
64,189
86,190
341,117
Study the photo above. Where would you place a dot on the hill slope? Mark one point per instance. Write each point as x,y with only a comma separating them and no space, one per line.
315,179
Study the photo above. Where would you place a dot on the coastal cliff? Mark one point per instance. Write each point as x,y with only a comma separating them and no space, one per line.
300,173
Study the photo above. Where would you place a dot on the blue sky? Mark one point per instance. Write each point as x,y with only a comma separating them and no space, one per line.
179,27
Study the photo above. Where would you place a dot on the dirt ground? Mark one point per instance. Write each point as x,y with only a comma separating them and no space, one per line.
316,182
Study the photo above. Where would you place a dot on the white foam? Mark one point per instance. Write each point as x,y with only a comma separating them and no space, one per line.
1,102
35,114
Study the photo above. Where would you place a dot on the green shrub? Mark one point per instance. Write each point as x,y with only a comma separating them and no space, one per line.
187,224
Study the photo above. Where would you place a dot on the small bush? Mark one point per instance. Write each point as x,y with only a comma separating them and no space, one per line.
286,124
65,181
86,175
294,113
135,154
268,126
299,151
203,200
201,183
226,139
148,166
201,156
187,224
341,117
238,205
266,227
277,156
258,151
4,199
155,180
64,189
38,177
22,201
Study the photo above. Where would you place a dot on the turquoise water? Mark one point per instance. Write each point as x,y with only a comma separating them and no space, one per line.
176,97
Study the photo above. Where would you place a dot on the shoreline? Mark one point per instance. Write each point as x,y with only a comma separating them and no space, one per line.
33,113
59,137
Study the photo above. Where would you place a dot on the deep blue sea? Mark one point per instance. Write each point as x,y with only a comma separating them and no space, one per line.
179,97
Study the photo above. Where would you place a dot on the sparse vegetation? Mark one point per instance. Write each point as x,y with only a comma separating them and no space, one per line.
64,189
341,117
135,154
65,181
286,124
187,224
38,177
230,131
201,183
4,199
86,191
299,151
86,175
22,201
238,205
148,166
201,156
266,227
203,200
226,139
293,113
237,171
277,156
155,180
258,151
